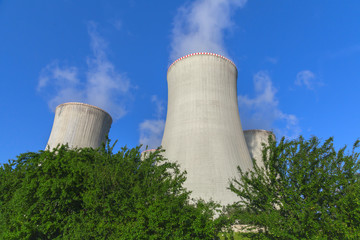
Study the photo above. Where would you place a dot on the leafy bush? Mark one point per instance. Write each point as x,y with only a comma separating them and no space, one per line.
98,194
306,190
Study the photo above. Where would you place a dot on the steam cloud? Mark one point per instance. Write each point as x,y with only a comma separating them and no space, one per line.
200,27
101,85
262,111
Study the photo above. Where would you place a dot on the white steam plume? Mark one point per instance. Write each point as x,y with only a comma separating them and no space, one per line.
200,27
262,111
101,85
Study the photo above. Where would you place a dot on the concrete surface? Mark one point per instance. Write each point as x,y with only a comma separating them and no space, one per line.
79,125
254,140
203,131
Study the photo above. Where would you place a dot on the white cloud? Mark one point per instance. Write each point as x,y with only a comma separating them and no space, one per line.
104,83
62,75
200,26
159,106
307,78
118,24
151,130
271,60
262,111
101,85
64,80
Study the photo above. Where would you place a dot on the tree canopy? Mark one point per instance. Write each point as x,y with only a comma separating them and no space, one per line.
306,190
97,194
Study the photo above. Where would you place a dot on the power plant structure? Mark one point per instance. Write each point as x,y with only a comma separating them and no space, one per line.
79,125
147,153
203,132
255,139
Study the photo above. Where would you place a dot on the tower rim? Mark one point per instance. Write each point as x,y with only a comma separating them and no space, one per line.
85,104
258,130
202,53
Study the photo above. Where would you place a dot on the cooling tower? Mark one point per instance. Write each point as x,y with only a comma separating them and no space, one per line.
146,153
203,131
254,140
79,125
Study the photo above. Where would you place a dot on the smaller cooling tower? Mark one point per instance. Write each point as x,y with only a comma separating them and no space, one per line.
146,153
254,139
79,125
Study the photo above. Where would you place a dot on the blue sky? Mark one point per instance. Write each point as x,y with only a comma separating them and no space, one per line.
298,64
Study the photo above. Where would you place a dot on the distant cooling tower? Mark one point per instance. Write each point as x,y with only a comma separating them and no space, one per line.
79,125
146,153
203,132
254,140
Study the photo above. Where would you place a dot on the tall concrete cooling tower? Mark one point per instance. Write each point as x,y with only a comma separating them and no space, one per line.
254,140
203,132
79,125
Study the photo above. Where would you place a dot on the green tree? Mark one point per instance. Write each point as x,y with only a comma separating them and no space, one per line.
306,190
97,194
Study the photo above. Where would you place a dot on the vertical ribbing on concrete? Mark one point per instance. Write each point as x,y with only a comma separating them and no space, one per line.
203,131
79,125
254,140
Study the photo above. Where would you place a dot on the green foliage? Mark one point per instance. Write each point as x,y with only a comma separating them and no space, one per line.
98,194
306,190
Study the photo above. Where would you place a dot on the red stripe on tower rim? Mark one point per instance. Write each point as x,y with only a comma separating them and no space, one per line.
202,53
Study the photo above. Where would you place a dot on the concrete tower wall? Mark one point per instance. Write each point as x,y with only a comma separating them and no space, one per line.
254,140
203,132
79,125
